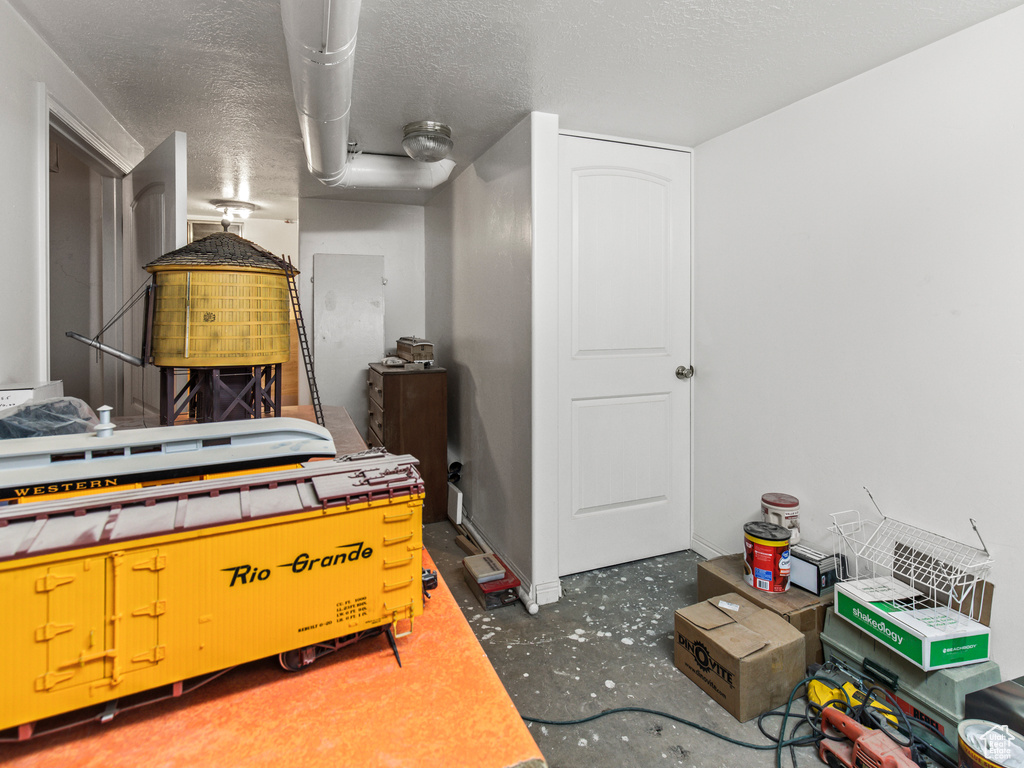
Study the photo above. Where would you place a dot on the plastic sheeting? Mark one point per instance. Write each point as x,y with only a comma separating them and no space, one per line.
39,418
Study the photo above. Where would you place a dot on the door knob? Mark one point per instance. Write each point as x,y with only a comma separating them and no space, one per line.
683,372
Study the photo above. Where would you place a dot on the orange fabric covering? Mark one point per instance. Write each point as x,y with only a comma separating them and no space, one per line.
444,707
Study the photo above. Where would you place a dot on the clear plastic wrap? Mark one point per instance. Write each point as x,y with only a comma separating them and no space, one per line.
39,418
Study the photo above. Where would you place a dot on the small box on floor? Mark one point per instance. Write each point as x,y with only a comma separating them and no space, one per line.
484,568
804,611
746,658
811,569
494,593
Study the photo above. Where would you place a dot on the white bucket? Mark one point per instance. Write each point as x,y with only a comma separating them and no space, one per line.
783,510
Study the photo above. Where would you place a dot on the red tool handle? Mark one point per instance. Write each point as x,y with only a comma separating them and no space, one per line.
843,723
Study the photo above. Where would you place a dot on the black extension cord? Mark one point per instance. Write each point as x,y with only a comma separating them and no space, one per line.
811,717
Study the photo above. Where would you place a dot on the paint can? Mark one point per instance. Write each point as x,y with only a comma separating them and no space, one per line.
983,744
766,556
782,509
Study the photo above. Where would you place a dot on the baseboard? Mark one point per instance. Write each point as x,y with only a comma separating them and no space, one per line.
705,548
547,592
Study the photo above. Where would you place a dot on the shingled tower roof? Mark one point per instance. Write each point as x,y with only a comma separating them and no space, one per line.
223,249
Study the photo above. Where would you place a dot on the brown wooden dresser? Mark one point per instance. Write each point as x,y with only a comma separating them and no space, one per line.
409,414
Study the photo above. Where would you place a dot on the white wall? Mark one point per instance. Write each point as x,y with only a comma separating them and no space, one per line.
395,232
280,237
480,261
29,73
859,318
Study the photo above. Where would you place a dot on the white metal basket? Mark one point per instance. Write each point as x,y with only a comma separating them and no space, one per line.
911,569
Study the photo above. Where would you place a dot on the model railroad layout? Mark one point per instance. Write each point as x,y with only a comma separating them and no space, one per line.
125,597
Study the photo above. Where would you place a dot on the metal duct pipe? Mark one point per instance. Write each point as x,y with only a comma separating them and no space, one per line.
320,36
390,172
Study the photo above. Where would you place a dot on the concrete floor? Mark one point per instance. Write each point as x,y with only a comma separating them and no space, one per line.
606,644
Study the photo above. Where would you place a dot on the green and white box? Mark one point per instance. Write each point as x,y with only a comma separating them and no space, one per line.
931,638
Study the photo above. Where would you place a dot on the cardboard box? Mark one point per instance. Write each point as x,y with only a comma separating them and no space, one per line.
812,569
16,394
484,568
804,611
746,658
931,638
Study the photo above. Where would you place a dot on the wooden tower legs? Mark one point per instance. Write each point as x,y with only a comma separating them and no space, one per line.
221,394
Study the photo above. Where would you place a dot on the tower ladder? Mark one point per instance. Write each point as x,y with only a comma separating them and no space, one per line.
307,357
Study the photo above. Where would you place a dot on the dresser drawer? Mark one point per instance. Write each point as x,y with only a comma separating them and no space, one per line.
407,410
376,419
375,386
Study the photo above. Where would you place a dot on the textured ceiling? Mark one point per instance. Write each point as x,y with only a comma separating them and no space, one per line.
672,71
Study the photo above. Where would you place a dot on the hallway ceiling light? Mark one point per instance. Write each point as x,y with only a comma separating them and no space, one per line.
231,209
427,141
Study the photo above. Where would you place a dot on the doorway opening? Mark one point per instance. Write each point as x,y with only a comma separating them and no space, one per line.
84,266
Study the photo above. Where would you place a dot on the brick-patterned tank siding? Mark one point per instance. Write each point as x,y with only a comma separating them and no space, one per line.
220,301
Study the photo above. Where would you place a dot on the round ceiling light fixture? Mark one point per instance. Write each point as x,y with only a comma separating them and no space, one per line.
231,209
427,141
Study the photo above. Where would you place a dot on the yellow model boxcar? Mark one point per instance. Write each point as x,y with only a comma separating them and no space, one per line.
110,595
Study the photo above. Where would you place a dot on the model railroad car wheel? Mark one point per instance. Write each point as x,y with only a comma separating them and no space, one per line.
297,658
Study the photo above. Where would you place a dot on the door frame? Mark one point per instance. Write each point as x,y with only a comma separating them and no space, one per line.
158,177
108,387
112,165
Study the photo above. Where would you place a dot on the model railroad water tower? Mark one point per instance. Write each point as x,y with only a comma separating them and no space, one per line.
219,311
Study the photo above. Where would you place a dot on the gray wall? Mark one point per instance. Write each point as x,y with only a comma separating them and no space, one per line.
479,261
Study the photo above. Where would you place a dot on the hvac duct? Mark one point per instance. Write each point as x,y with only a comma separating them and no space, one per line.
390,172
321,39
320,36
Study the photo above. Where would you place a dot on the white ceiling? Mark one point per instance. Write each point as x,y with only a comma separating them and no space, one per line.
670,71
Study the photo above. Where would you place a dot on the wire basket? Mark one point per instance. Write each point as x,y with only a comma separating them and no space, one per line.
910,569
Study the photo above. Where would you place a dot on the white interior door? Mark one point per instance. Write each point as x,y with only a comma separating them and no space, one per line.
624,328
155,222
348,328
